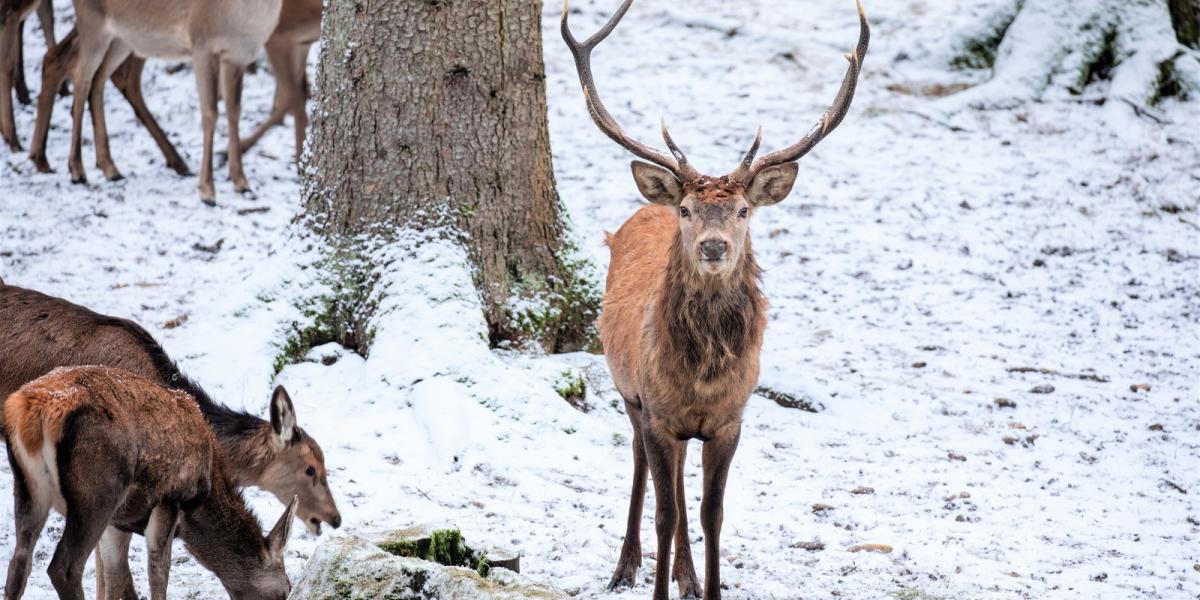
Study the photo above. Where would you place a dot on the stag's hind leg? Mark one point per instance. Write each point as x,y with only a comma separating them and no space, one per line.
10,45
30,513
683,570
631,549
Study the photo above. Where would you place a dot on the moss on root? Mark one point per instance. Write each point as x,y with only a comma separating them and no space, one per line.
979,51
334,314
557,313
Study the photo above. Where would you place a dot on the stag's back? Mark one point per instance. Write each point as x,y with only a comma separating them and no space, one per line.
640,253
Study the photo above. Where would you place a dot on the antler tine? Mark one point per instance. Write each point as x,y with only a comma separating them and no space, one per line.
582,52
748,160
829,120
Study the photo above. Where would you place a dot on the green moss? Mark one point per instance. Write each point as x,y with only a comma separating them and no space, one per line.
571,386
979,51
482,567
559,313
914,594
442,546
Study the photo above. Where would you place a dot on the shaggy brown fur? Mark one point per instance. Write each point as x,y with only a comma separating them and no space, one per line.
109,449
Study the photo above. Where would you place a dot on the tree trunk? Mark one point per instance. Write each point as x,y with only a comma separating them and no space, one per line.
1039,48
432,114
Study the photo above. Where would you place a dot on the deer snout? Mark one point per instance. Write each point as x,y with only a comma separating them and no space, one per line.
713,249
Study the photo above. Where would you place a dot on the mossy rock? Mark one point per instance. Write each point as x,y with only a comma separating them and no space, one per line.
352,568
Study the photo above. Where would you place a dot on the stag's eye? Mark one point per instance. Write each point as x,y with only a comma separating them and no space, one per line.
311,472
684,212
745,212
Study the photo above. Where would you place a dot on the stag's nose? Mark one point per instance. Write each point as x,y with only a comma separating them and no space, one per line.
713,249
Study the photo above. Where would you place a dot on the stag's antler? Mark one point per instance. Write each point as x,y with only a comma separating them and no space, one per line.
677,162
749,167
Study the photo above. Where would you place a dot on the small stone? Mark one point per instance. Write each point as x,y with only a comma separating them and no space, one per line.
1099,577
919,364
1010,440
956,456
1005,403
1037,262
880,548
862,489
813,546
1045,388
1156,427
819,508
961,519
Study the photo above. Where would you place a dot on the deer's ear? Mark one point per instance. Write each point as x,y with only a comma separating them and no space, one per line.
657,184
283,416
278,538
772,184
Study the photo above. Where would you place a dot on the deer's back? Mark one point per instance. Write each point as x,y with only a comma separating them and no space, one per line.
39,333
640,252
113,417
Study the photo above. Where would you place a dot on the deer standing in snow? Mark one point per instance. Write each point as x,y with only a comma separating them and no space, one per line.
683,317
220,36
115,453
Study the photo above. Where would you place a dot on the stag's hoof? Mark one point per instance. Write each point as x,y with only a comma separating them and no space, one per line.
625,576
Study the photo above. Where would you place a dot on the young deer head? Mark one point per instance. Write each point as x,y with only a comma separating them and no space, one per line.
713,211
298,468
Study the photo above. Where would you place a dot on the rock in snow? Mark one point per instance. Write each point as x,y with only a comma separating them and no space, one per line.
352,568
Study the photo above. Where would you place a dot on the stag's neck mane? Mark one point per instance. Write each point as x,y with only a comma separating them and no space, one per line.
708,323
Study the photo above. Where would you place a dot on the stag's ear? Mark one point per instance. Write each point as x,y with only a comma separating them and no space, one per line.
772,184
283,416
278,538
657,184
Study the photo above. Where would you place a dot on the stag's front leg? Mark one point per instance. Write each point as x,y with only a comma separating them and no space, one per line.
631,549
160,531
661,453
684,570
718,455
232,74
205,66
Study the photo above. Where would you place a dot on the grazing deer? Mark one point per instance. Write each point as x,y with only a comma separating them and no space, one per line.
57,65
287,51
220,36
40,333
115,453
683,317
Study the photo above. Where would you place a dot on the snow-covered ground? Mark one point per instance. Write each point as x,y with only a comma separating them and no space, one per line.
918,262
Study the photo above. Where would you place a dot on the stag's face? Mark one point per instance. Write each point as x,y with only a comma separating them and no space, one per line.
714,214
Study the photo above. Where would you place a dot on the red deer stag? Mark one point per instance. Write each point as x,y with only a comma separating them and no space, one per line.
683,317
41,333
114,453
220,36
287,51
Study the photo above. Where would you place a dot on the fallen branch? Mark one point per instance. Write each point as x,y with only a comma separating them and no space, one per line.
1042,371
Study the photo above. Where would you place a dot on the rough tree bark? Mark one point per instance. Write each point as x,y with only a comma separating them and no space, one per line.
1143,49
432,113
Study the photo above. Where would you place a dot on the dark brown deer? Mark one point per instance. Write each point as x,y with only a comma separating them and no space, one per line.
683,318
57,65
287,51
40,333
115,453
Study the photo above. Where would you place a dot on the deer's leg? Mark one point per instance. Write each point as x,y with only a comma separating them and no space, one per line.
232,74
300,96
128,79
683,570
661,452
160,531
114,57
279,56
30,514
205,66
45,13
92,50
9,47
56,68
112,564
631,549
19,84
718,455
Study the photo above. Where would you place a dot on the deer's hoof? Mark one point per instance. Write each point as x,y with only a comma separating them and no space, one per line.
41,164
114,175
624,577
78,179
